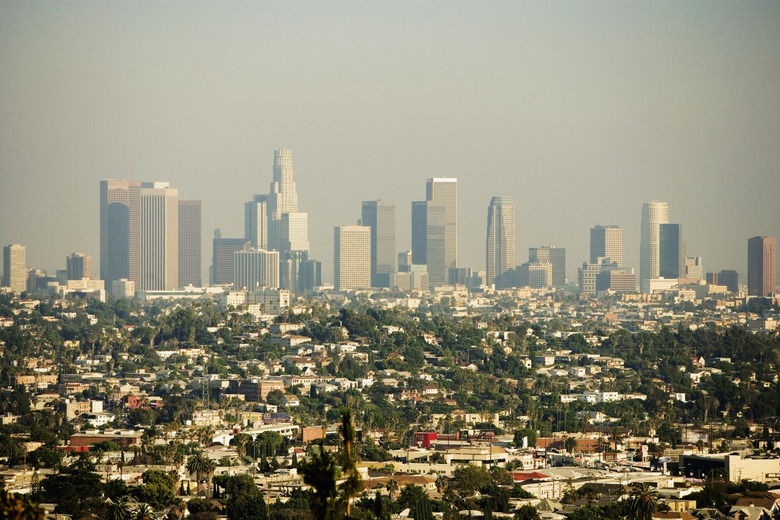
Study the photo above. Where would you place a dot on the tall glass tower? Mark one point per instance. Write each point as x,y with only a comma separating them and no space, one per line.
501,247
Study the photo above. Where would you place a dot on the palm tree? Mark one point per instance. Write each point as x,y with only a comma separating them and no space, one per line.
643,501
201,465
392,487
144,512
348,460
119,510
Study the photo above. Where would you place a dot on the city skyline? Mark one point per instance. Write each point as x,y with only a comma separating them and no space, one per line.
667,101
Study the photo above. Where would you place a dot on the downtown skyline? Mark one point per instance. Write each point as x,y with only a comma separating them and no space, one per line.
578,112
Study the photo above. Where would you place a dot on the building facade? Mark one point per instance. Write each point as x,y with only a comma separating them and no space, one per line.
78,266
351,257
379,215
762,266
501,246
159,237
255,268
120,231
190,267
444,190
670,251
556,256
256,221
222,267
606,242
653,215
15,268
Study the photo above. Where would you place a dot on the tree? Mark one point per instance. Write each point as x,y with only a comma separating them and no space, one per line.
570,444
348,460
14,507
321,473
119,510
158,489
527,512
392,488
144,512
201,465
643,501
245,502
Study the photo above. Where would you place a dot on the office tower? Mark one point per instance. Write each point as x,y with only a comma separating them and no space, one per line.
729,278
405,261
617,281
419,233
309,275
120,231
293,232
606,242
352,257
429,239
762,266
222,257
256,221
653,215
445,191
78,266
694,269
159,237
255,268
290,263
189,243
15,267
556,256
379,215
283,197
501,247
670,251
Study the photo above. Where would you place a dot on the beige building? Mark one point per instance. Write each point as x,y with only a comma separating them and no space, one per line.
352,257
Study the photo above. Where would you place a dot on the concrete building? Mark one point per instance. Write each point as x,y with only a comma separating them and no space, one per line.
653,215
694,268
728,278
501,244
15,267
556,256
190,241
221,272
283,196
535,275
606,242
351,257
762,266
379,215
255,268
429,240
78,266
120,231
159,236
294,232
445,191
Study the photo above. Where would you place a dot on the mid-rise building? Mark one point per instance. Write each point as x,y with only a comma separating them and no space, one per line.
15,267
762,266
120,231
694,269
536,275
190,268
670,251
606,242
501,247
255,268
379,215
351,257
78,266
159,236
556,256
728,278
653,215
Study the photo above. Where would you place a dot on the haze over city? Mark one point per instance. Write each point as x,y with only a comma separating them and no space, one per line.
579,111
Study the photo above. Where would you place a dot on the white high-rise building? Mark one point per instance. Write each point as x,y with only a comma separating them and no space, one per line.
445,191
294,232
15,267
255,268
256,221
283,197
653,215
352,257
501,248
159,249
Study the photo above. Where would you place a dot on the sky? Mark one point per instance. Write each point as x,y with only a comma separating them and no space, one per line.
579,110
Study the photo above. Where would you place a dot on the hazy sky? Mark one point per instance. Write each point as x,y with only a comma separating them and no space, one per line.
580,111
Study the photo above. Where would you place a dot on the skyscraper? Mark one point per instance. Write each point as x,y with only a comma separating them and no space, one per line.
762,266
283,196
294,232
189,243
606,242
159,236
419,233
379,215
352,257
445,190
78,266
501,247
15,267
557,258
436,243
120,231
256,221
653,215
255,268
222,261
670,251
